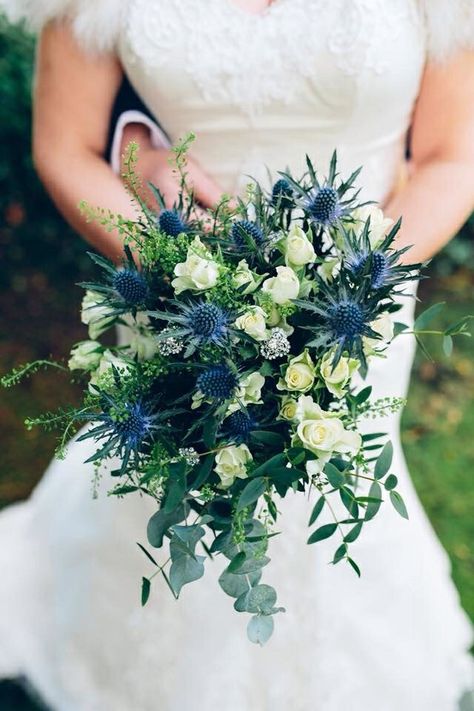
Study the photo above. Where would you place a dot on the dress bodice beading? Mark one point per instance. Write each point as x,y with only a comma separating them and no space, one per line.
260,91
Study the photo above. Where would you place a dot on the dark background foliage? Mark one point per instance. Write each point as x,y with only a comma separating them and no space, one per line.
41,260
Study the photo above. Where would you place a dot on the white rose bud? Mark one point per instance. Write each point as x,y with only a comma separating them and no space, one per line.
95,315
231,464
287,409
85,356
337,379
328,435
299,375
298,248
250,389
244,277
379,224
283,287
198,272
383,325
253,323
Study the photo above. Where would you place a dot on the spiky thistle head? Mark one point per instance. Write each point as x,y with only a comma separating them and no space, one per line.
239,425
282,194
323,206
197,323
244,232
171,223
217,382
131,286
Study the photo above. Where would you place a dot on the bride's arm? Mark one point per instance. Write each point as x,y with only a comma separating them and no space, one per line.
73,98
439,195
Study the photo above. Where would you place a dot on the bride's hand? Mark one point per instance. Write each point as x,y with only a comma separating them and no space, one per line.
153,165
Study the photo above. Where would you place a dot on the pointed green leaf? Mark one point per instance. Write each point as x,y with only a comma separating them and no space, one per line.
384,461
398,504
320,534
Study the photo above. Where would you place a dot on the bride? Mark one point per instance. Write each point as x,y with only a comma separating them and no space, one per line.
261,84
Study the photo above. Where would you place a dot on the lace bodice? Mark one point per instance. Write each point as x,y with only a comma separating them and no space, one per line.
260,91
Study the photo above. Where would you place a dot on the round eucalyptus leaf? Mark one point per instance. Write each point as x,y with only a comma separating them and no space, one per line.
236,585
260,629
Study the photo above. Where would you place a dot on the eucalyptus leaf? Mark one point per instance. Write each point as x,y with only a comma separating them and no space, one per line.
335,478
398,504
185,569
260,629
427,316
323,532
448,346
251,493
384,461
354,566
390,482
318,507
353,533
161,521
236,562
146,588
375,492
236,585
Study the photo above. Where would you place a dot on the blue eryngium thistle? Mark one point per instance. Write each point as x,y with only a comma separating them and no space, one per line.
282,194
323,205
126,427
341,316
244,232
171,223
131,286
380,268
197,324
239,425
217,382
123,289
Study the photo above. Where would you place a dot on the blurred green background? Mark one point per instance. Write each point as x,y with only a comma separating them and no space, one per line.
41,260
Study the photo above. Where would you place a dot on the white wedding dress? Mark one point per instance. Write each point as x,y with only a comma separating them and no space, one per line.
305,76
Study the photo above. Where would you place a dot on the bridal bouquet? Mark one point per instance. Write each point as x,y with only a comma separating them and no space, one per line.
246,331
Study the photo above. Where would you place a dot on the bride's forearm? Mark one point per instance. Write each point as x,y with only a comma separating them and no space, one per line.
434,203
83,175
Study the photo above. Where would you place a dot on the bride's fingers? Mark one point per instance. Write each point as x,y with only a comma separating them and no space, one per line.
206,190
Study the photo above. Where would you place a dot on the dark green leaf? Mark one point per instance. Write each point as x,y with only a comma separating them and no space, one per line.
348,499
340,554
201,473
146,587
398,504
363,395
271,439
277,461
427,316
148,555
354,566
236,562
384,461
335,478
375,492
323,532
390,482
353,533
318,507
253,490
